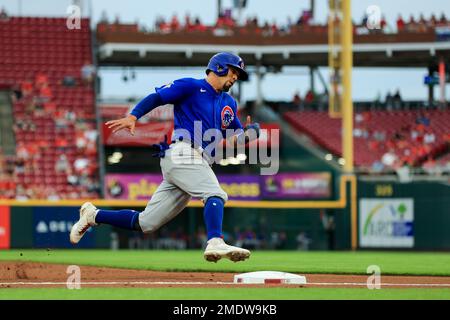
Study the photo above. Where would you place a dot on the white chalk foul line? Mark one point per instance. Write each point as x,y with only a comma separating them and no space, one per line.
93,283
117,283
381,284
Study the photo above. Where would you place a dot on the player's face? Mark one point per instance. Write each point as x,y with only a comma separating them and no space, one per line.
230,79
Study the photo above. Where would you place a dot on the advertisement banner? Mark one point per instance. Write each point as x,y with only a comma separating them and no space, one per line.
238,187
51,227
131,186
143,186
241,187
386,222
146,134
297,186
5,224
442,33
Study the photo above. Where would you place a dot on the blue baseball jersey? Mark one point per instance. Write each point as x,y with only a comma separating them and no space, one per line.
196,100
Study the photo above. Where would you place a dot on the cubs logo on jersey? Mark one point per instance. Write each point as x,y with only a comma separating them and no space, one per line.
227,116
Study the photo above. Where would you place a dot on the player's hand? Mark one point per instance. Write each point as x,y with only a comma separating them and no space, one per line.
249,121
255,126
128,122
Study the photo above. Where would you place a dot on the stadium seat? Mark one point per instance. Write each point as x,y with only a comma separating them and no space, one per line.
25,43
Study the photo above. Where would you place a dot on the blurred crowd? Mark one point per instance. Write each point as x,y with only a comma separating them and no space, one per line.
56,147
413,145
178,239
228,24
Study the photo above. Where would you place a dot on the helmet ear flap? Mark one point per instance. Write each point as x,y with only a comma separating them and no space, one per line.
221,70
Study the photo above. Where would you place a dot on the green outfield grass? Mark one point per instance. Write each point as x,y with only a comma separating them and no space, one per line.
395,263
225,294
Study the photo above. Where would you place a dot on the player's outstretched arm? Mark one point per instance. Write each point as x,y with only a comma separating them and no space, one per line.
129,122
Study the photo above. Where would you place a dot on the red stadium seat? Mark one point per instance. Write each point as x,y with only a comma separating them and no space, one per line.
32,45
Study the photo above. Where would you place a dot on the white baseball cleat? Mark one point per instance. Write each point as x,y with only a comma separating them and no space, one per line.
217,249
87,219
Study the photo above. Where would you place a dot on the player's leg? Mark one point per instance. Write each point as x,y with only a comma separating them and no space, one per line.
90,216
199,181
165,204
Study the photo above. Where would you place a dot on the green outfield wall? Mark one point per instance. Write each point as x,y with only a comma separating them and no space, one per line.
388,215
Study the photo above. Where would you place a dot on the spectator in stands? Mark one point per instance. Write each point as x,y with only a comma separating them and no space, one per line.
400,23
422,24
330,226
274,29
187,22
88,73
50,108
45,94
80,141
422,119
411,26
104,17
21,193
199,26
443,20
446,137
303,241
309,97
433,21
62,164
422,19
41,80
81,166
404,172
52,194
117,19
69,81
429,137
26,88
389,158
22,152
200,238
159,23
297,101
7,185
61,122
278,240
61,144
389,101
377,167
3,14
364,20
174,23
397,100
16,93
304,18
430,167
383,24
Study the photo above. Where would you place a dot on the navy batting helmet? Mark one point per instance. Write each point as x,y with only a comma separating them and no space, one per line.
220,62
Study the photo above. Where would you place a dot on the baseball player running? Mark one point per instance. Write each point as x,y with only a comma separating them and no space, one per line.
185,163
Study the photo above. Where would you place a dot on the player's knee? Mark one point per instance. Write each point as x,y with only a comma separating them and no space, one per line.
214,200
222,195
150,228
